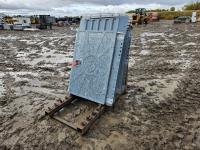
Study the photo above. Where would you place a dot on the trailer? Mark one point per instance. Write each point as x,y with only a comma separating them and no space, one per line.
20,23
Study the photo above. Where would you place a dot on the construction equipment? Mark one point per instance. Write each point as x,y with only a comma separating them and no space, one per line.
154,16
66,21
35,20
8,20
140,17
46,21
99,70
7,23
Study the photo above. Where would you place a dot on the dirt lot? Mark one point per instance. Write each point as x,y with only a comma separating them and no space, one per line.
161,109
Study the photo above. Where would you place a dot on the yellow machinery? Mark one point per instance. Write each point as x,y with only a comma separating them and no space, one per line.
35,20
140,17
8,20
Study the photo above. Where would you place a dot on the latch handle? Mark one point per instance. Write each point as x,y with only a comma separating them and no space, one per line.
76,63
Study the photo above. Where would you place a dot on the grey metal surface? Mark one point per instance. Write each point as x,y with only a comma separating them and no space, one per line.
100,60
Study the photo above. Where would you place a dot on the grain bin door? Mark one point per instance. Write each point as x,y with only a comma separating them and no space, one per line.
92,65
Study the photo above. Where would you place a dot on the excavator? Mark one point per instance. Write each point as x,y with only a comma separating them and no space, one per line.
140,17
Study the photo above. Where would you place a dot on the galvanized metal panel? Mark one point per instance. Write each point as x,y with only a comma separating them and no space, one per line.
119,69
90,79
101,49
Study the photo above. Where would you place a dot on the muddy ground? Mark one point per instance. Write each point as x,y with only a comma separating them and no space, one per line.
161,109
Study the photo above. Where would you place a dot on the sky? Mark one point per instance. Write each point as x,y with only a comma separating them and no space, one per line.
82,7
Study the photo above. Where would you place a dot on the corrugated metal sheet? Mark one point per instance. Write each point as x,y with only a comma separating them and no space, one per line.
101,58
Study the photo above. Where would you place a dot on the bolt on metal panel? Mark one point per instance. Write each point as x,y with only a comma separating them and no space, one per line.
101,58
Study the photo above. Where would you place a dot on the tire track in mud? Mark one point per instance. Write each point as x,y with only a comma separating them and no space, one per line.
173,122
29,89
177,116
